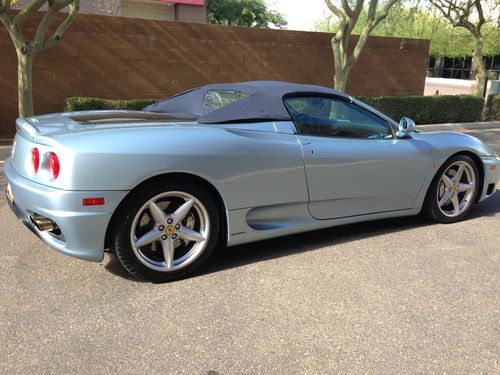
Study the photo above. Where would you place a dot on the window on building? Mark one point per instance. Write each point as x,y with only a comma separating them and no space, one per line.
459,68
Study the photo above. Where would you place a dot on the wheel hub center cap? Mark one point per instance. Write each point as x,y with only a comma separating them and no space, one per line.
170,230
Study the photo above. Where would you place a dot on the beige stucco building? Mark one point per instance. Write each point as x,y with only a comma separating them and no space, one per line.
169,10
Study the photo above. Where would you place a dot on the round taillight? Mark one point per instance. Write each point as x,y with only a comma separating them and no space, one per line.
54,165
35,160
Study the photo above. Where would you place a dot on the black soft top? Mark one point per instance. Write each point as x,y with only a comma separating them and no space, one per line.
262,100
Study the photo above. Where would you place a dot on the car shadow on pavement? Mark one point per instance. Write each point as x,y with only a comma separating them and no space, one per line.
112,265
285,246
489,207
237,256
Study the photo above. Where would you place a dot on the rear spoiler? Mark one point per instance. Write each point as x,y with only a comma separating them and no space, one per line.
26,129
29,131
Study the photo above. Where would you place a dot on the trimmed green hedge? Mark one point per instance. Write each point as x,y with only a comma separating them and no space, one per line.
492,111
438,109
88,104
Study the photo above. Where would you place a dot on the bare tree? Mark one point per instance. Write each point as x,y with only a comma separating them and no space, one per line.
469,15
27,49
348,16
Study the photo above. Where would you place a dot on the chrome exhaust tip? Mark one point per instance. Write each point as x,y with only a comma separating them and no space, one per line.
42,223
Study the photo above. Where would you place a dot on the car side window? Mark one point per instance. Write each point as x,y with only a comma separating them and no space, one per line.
329,117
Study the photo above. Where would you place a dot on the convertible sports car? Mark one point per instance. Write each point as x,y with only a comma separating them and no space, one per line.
230,164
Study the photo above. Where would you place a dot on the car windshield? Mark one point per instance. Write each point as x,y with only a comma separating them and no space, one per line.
218,98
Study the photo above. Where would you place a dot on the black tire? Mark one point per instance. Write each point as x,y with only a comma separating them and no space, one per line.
120,234
431,207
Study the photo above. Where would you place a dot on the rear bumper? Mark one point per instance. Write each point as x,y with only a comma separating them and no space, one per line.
83,229
491,177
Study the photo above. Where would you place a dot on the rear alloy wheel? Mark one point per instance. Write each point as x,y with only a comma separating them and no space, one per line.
453,190
168,233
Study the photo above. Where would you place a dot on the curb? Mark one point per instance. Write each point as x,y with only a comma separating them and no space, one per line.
4,153
460,127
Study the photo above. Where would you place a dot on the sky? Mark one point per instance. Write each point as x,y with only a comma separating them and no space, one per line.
300,14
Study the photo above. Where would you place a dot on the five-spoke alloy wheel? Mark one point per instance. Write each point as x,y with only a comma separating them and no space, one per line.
165,231
453,190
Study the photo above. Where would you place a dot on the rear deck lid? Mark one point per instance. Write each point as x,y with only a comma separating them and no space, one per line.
69,122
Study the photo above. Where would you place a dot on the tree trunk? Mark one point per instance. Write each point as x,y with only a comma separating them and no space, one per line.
479,67
341,71
24,81
344,62
340,80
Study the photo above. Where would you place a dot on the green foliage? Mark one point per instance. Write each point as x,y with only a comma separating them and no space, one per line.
250,13
90,104
437,109
421,109
492,112
425,23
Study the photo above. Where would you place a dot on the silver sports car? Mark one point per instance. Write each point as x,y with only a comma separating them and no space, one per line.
228,164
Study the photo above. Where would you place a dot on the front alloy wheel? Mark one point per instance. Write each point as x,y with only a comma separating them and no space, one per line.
453,190
165,231
456,188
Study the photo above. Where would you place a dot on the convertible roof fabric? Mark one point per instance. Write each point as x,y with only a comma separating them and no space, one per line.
262,100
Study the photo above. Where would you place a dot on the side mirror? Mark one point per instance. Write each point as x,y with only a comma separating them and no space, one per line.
406,127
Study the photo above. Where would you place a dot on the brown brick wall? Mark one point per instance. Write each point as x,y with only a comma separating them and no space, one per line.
115,57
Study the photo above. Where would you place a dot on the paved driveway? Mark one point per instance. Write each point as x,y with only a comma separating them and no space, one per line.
393,296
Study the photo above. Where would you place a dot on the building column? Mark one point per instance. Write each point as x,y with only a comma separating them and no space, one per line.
438,67
191,13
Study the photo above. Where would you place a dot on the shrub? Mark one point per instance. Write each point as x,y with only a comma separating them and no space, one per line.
437,109
89,104
492,111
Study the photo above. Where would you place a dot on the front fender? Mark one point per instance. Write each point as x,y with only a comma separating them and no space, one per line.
445,144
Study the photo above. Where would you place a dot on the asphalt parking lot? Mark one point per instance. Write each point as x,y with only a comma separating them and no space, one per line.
392,296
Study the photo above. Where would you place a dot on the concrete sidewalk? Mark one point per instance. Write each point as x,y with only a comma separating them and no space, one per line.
460,127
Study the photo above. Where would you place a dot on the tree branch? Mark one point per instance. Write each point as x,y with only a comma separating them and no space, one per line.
347,9
334,9
15,35
359,7
348,18
480,13
372,9
385,12
73,12
54,7
458,15
5,6
355,15
28,10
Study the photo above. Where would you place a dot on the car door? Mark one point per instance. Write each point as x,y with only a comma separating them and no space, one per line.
354,163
